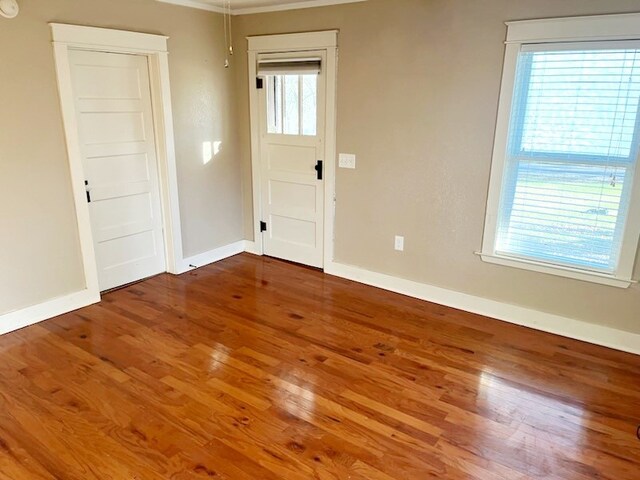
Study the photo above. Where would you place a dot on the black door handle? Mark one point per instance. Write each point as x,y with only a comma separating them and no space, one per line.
318,169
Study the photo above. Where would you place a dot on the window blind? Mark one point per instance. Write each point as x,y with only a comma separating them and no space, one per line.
572,149
293,66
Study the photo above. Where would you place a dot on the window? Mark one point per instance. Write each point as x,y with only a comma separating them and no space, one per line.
565,154
292,104
292,93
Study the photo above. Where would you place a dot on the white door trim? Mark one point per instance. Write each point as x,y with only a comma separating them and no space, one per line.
154,47
296,42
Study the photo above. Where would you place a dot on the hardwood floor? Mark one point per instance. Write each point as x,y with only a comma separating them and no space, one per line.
256,369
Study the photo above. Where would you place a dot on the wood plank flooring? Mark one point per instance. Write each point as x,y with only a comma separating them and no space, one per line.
253,368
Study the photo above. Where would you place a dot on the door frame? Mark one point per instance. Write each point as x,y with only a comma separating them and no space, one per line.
286,43
154,47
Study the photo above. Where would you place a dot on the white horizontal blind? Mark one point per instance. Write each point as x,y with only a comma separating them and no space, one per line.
292,66
572,149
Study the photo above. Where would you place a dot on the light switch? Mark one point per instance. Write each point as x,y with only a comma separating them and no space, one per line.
347,160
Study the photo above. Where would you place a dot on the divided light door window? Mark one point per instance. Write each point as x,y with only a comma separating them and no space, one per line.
292,95
292,104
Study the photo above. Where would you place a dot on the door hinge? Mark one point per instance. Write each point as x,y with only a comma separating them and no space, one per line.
263,226
86,184
318,169
259,83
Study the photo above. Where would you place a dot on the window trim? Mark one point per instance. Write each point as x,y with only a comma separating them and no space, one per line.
551,31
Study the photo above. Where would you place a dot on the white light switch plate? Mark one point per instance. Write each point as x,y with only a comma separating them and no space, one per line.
347,160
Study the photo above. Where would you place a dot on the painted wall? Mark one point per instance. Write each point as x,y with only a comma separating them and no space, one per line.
418,87
39,246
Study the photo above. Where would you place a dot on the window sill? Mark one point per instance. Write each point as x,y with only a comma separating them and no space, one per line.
567,272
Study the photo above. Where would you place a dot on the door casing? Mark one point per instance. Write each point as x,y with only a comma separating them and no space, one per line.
154,47
326,41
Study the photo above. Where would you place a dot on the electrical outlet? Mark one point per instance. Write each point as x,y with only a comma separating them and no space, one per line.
347,160
399,243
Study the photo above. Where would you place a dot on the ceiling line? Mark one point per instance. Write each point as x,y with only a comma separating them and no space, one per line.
203,5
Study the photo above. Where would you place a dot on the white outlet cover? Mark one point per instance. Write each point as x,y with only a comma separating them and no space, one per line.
399,243
347,160
9,8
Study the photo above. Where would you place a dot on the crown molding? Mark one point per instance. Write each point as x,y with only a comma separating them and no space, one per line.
263,9
291,6
195,4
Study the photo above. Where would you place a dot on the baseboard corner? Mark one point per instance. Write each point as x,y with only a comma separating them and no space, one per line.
251,247
211,256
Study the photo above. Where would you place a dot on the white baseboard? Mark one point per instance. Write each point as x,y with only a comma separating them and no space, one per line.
252,247
51,308
211,256
547,322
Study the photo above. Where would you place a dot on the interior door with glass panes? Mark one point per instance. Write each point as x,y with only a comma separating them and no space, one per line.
292,130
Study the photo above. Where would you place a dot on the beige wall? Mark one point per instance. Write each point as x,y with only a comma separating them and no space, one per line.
418,86
39,247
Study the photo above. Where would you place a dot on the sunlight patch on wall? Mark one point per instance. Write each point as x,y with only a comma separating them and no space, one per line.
210,150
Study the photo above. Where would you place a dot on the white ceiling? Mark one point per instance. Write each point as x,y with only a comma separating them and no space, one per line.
243,7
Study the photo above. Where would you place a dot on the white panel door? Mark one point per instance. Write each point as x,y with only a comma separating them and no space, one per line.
292,143
113,109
